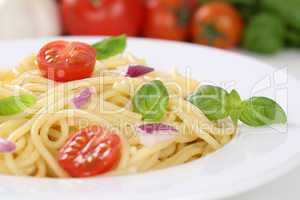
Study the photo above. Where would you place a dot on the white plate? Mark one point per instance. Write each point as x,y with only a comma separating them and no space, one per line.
253,158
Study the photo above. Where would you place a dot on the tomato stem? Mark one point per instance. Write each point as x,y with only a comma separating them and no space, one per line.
210,33
183,15
200,2
96,3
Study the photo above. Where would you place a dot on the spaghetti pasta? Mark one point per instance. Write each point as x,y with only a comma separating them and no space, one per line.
41,131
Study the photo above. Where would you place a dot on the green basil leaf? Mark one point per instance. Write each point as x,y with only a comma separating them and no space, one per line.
110,47
260,111
15,104
151,101
212,101
234,105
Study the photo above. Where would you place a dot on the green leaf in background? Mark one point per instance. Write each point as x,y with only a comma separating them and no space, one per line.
260,111
243,2
212,101
247,8
264,34
293,38
151,101
15,104
110,47
234,106
287,10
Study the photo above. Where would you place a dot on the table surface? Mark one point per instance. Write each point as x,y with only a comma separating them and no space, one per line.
286,187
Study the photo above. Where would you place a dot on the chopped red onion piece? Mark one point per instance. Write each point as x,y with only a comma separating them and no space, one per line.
151,134
138,70
82,98
156,128
6,146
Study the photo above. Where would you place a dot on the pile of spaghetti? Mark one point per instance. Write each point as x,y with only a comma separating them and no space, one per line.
107,123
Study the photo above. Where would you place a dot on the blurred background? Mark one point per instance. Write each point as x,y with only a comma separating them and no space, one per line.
267,29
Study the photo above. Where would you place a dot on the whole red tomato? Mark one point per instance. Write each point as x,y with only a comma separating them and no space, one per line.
102,17
217,24
167,19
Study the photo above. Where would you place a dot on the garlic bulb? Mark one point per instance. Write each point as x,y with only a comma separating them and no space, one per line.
28,18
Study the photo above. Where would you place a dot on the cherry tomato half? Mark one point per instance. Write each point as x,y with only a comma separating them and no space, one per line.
66,61
167,19
102,17
91,151
217,24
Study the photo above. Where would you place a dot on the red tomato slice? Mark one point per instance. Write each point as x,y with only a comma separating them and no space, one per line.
64,61
91,151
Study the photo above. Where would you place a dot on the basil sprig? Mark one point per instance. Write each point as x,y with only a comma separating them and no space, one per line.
151,101
110,47
212,101
216,103
15,104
